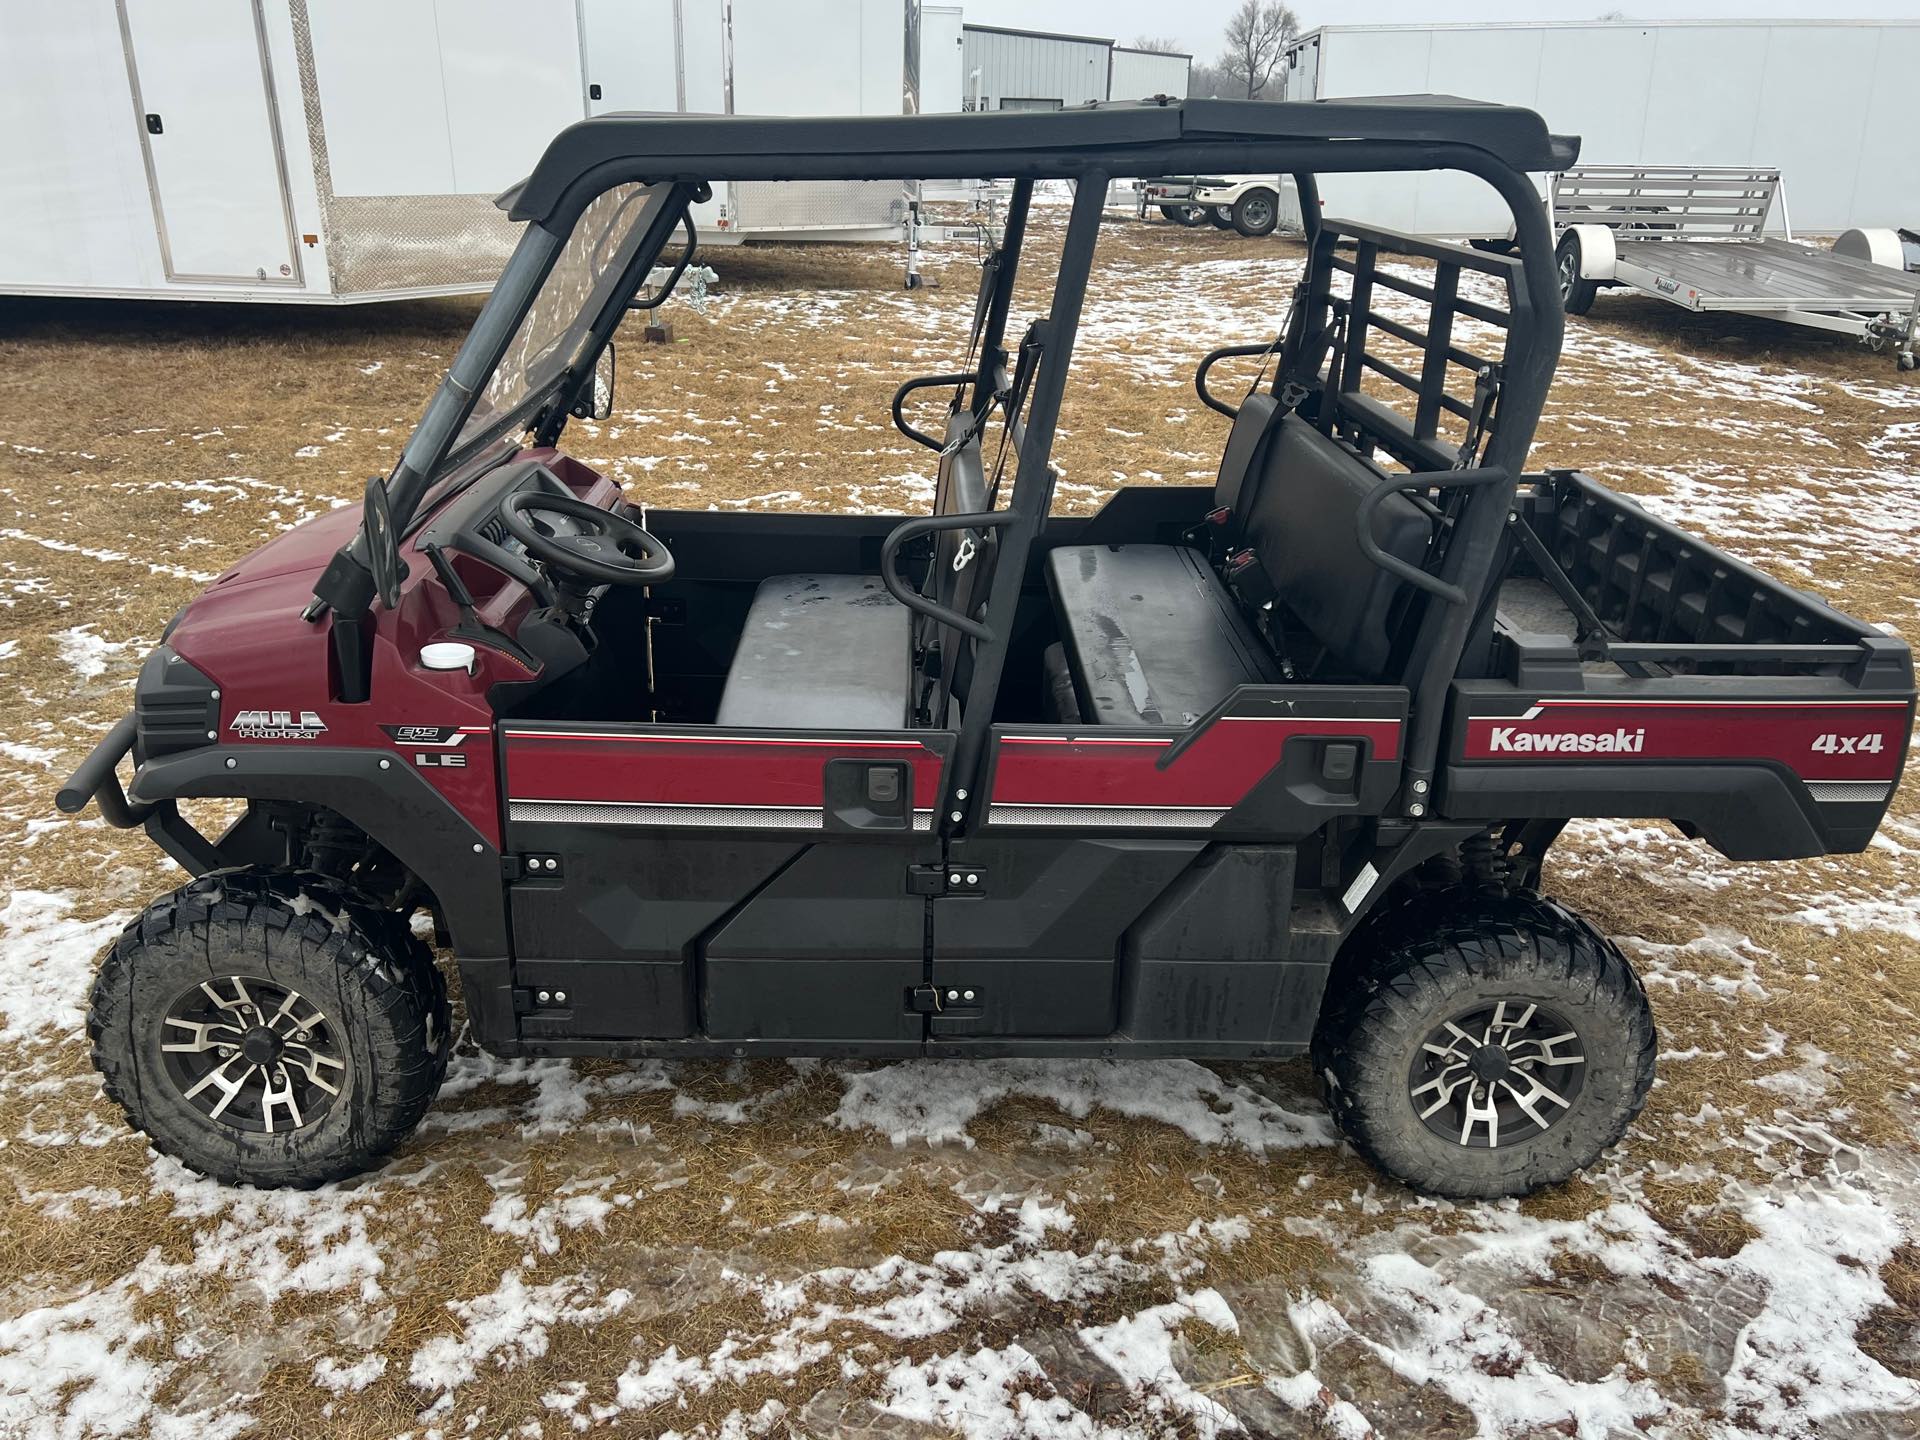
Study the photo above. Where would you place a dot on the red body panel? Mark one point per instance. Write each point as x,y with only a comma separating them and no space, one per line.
248,635
1858,740
679,770
1215,772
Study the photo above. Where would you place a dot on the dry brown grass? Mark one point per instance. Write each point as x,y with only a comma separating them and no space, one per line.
1891,1333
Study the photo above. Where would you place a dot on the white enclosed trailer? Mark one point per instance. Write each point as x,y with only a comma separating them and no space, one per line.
760,57
331,151
1829,103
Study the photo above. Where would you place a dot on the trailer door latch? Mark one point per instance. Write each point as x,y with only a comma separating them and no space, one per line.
924,999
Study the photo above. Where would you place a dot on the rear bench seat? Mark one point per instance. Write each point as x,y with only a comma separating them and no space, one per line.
1153,636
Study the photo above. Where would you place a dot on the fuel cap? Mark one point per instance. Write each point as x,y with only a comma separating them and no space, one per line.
448,655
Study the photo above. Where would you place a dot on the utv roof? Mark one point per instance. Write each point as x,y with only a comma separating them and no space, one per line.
1404,132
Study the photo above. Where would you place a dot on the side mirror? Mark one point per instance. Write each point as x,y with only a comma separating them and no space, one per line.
598,403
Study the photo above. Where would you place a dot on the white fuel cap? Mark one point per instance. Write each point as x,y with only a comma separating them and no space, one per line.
448,655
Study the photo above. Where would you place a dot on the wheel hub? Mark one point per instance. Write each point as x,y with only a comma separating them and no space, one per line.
1496,1075
253,1055
261,1046
1490,1063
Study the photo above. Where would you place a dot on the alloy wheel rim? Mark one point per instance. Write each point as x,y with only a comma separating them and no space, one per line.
1567,276
1496,1075
253,1055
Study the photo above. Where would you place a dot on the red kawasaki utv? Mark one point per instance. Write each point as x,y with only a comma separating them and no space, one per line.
1244,772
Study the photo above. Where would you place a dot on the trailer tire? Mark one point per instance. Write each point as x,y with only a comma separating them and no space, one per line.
1221,216
1576,293
337,1009
1188,215
1256,213
1522,990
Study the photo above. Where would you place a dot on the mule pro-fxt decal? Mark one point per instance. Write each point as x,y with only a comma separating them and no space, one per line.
277,725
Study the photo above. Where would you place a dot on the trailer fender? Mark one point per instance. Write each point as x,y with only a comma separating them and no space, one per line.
1598,258
1876,247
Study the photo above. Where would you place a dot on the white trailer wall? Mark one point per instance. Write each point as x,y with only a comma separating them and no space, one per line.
300,151
1141,74
1830,103
1033,70
420,112
759,57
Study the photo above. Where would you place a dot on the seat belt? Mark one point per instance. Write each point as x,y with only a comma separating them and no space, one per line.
1026,364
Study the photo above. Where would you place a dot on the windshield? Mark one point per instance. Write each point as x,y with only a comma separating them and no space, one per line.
555,328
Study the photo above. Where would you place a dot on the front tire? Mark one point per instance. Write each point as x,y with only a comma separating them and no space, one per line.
263,1030
1483,1046
1576,294
1256,213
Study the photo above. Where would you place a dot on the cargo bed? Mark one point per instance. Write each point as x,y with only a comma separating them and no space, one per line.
1631,670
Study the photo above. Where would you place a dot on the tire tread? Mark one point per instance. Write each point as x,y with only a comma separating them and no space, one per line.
246,914
1403,963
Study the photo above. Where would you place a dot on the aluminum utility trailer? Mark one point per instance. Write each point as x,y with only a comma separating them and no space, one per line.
1696,237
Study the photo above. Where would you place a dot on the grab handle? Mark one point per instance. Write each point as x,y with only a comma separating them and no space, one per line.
925,382
913,599
1226,352
1417,480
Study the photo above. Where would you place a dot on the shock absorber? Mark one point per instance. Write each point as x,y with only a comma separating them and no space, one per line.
1486,861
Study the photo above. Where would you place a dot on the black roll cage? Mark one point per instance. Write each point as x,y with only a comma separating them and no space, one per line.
1478,521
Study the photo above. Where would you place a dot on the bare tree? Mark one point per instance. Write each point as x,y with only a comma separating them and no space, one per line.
1257,35
1208,82
1157,44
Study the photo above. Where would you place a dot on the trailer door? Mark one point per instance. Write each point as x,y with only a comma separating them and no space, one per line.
203,99
635,54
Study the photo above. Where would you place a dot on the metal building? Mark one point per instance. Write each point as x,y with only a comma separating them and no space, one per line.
1142,74
1032,69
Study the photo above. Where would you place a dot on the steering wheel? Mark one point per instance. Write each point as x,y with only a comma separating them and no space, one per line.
607,549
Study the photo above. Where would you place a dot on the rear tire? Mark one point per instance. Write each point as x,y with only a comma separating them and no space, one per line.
1576,294
1221,216
1188,215
1256,213
343,1005
1483,1046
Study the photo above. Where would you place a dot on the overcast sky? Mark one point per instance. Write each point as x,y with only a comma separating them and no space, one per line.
1197,24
